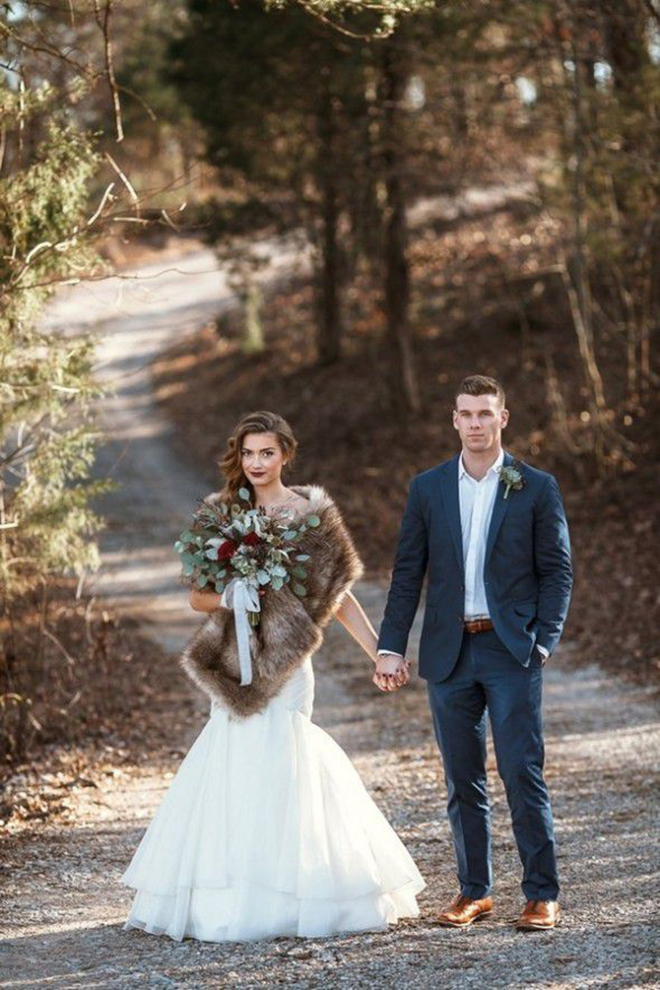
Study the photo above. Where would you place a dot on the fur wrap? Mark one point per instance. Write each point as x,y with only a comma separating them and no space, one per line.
290,628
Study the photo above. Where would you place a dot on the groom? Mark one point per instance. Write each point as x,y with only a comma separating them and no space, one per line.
492,534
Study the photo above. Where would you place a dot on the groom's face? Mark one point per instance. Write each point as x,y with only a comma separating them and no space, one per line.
480,420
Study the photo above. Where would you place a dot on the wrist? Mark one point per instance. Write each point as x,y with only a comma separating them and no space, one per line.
392,659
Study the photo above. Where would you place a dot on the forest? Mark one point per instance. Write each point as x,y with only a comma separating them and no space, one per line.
389,195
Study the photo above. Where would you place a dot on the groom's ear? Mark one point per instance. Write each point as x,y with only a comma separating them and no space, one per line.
504,418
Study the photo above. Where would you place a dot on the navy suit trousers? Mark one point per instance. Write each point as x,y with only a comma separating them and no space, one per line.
488,681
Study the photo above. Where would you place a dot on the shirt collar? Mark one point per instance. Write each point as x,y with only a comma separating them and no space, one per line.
493,469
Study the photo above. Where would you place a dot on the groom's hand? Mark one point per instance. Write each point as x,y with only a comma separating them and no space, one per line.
391,673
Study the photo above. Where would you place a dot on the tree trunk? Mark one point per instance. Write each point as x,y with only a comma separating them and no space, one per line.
576,276
625,29
402,378
363,202
253,331
625,25
330,323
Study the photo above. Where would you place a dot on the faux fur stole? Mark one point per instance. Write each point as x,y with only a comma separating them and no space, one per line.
290,628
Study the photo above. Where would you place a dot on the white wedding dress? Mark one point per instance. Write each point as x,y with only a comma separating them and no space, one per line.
267,830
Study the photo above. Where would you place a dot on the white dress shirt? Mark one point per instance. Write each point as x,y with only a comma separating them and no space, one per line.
476,501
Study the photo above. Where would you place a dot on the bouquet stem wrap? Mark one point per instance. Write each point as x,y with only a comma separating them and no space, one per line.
242,597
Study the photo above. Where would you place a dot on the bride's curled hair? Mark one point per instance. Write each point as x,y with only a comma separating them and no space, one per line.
231,461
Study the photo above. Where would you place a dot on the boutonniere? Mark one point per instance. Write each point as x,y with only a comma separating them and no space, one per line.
512,477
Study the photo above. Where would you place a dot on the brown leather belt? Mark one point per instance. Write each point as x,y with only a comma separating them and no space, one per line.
478,625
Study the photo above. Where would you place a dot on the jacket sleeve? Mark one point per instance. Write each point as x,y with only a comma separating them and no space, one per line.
552,560
410,564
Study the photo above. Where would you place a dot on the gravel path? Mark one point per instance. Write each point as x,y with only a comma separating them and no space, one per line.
62,907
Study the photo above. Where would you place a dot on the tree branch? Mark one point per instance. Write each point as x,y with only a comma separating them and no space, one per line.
103,20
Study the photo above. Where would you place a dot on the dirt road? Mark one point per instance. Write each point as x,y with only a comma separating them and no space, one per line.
62,907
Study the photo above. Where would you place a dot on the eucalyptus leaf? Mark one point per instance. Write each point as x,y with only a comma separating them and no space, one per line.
202,580
279,571
302,556
313,521
276,583
299,572
291,534
299,589
188,569
244,494
263,577
219,586
178,546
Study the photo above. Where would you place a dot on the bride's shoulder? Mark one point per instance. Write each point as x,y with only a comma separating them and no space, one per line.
318,502
300,501
311,499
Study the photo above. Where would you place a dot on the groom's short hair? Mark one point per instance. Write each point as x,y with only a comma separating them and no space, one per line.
481,385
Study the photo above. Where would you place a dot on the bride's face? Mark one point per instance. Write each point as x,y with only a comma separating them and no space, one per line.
262,459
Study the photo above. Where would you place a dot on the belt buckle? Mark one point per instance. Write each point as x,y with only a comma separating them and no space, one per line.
474,626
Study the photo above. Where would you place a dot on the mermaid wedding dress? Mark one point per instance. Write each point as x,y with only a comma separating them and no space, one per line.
267,830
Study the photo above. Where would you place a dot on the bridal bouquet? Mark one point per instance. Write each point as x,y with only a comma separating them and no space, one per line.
239,548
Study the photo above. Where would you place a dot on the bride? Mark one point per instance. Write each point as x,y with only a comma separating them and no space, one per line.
266,829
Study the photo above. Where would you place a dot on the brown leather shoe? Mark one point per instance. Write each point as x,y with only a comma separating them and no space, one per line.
463,911
538,916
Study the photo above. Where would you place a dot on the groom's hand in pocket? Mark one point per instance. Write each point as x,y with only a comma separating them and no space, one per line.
392,672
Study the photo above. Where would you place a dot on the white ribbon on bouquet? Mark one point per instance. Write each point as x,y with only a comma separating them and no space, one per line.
242,597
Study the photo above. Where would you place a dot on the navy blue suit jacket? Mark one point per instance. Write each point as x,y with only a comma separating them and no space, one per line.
527,572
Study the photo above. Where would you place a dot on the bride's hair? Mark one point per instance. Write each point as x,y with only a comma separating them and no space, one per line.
230,463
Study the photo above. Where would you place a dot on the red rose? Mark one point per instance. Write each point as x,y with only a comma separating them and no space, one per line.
227,550
252,540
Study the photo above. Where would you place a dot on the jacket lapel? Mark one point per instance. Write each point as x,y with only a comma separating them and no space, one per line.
499,510
449,489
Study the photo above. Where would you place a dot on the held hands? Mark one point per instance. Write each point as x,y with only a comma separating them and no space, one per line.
391,673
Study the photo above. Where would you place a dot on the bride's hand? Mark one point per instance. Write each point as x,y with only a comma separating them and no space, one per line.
391,673
204,601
